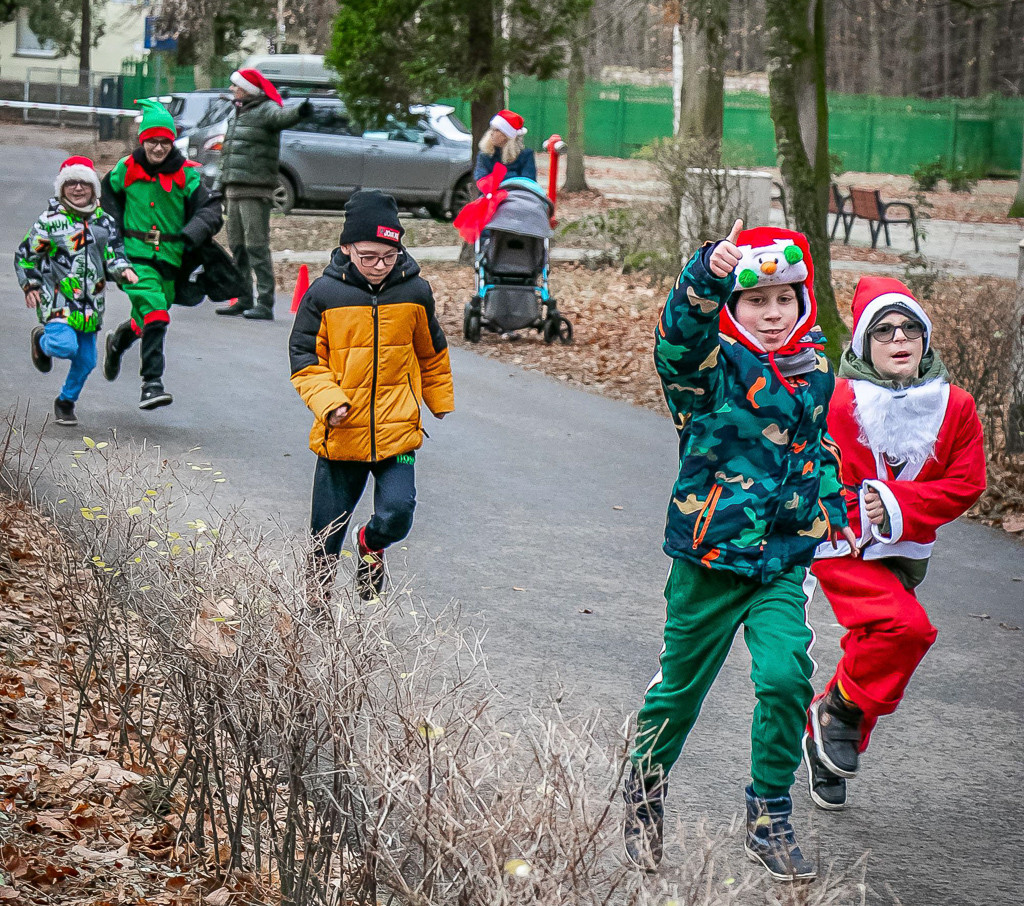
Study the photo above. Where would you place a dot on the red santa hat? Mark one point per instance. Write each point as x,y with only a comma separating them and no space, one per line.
253,82
772,257
508,123
874,298
77,168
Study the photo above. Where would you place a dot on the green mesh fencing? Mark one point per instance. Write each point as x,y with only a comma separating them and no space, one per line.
871,134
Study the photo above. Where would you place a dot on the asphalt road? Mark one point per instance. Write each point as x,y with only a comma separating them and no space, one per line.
522,487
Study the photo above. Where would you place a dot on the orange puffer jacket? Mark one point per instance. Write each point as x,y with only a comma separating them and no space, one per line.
382,352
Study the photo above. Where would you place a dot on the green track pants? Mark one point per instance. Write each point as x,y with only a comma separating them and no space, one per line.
704,609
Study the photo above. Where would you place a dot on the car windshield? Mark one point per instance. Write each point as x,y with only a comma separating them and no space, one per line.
217,111
451,127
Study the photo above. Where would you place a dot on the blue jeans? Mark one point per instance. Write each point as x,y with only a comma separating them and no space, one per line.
61,341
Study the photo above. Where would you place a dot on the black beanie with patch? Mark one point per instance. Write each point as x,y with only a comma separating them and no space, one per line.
372,216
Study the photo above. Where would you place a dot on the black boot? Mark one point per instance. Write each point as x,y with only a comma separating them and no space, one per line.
771,841
40,359
827,790
643,830
153,393
371,567
259,313
835,726
116,344
235,307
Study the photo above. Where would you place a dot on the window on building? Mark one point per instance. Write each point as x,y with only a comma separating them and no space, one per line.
28,45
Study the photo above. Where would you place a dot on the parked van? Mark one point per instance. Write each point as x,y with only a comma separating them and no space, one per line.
293,70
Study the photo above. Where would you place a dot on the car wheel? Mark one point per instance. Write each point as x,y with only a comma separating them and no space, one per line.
463,193
284,195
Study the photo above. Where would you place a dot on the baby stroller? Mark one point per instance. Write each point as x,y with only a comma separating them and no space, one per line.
511,263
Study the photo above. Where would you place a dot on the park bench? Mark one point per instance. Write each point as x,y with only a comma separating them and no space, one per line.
868,205
838,206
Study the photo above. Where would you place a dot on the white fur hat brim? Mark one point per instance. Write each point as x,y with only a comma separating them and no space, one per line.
78,172
240,81
505,127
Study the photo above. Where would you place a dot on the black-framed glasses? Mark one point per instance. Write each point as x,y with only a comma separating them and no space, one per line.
886,333
373,260
77,184
159,142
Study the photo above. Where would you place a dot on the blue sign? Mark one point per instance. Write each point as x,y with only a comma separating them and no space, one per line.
153,42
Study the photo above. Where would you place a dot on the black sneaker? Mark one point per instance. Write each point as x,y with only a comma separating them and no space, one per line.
154,396
111,357
259,313
643,830
64,412
827,790
835,726
40,359
771,841
371,567
235,307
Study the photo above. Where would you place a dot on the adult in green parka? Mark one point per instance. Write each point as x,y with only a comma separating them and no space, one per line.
248,177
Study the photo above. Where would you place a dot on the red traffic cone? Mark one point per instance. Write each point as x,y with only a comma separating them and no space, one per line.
301,285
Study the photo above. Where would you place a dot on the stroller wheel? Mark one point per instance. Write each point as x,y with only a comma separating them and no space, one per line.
471,323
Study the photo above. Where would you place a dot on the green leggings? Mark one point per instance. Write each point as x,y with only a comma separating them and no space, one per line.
705,607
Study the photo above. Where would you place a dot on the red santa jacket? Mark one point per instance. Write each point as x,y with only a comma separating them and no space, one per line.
926,495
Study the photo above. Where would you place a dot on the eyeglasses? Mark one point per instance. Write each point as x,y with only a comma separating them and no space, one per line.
158,142
373,260
77,184
886,333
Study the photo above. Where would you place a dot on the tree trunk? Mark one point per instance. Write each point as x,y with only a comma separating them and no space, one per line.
85,44
1017,208
489,96
205,43
986,51
873,75
703,25
796,44
575,102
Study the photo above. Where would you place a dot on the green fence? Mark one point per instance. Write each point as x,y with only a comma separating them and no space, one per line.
872,134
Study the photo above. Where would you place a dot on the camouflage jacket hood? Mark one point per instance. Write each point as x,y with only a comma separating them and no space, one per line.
758,483
69,256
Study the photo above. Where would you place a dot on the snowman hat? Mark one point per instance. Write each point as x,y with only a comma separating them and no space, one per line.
508,123
77,168
253,82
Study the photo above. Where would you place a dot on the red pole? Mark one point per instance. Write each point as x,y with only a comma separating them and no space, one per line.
554,146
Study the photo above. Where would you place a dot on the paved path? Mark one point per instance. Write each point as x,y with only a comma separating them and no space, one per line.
519,488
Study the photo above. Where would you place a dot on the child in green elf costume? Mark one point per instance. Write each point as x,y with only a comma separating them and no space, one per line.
162,210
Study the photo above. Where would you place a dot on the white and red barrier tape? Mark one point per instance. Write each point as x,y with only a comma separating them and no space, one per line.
69,108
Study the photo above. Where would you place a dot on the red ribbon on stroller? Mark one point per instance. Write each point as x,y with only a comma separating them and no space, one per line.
475,216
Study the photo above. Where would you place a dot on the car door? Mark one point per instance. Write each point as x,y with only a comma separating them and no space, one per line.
324,155
402,160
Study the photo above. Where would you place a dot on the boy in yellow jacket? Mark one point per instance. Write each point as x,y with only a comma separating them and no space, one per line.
366,351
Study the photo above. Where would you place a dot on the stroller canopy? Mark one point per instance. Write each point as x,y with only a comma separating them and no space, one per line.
526,210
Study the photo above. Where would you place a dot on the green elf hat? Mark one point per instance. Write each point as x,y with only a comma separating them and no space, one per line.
157,122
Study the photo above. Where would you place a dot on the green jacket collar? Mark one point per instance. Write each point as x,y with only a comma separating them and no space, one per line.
856,369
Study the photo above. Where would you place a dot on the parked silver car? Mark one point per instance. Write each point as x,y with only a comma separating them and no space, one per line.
426,161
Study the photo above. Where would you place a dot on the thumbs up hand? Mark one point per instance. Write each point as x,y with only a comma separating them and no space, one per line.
726,256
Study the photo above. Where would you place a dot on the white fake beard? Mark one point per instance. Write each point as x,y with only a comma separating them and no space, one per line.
902,424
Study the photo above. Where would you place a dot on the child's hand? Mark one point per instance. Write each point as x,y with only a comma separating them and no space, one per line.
338,415
131,276
726,256
873,506
845,534
31,298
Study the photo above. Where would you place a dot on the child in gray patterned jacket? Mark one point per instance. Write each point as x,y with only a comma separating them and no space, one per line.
63,265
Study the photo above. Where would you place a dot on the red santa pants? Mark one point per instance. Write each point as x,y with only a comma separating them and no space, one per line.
888,634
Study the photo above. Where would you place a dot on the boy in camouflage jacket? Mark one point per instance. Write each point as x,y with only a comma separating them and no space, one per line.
757,489
63,265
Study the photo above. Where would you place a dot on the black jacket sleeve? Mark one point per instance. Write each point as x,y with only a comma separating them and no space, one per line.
113,203
203,216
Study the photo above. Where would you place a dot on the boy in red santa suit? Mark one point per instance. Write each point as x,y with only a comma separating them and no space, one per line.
912,460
